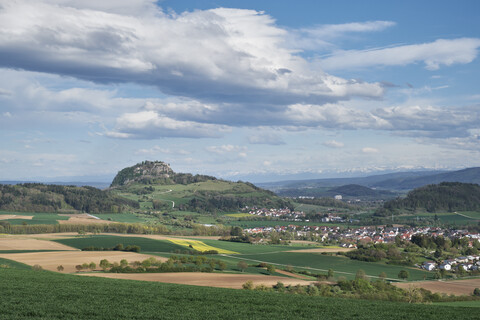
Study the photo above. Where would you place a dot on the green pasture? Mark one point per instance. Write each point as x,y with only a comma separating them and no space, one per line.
38,218
468,304
247,248
80,297
106,241
121,217
341,265
460,218
11,264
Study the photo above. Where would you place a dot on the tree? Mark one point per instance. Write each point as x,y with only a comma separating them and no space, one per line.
221,265
104,264
79,267
382,276
92,266
330,274
60,268
270,268
123,263
236,232
476,292
360,275
242,265
403,274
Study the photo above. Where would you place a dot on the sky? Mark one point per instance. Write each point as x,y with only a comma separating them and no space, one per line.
250,90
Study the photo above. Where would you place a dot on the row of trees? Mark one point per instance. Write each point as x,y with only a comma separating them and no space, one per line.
134,228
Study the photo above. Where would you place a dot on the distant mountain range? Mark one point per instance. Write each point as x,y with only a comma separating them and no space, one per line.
400,181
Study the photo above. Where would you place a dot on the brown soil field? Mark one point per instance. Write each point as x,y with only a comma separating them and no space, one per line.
320,250
290,274
14,216
69,259
456,287
32,244
82,218
220,280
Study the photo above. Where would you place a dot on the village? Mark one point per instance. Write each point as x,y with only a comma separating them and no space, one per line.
350,237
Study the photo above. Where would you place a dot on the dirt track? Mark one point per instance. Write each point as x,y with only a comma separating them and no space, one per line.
69,259
456,287
219,280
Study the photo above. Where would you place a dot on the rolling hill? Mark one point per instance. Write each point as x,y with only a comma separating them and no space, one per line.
399,181
443,197
158,187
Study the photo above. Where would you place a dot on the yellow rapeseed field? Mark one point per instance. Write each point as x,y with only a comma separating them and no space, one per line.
199,245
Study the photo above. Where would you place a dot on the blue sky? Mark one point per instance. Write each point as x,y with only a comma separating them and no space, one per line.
257,90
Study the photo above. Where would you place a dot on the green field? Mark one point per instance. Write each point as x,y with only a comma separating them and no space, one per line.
146,245
121,217
74,297
469,304
38,218
460,218
247,248
318,263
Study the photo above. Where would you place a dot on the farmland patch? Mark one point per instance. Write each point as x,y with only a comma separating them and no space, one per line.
69,259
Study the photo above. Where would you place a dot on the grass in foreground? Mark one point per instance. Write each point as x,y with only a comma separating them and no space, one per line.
75,297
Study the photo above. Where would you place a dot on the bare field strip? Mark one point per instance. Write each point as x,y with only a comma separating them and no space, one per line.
32,244
82,218
456,287
44,236
320,250
14,216
69,259
219,280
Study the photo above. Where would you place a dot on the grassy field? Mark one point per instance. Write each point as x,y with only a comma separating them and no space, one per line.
342,266
460,218
76,297
38,218
469,304
247,248
146,245
121,217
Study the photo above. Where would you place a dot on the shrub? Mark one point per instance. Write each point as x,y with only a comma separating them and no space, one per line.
248,285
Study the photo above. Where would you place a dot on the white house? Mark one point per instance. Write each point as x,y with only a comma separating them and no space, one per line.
429,265
445,266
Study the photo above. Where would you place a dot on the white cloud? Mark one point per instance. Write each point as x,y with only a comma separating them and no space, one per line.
433,54
236,51
157,149
152,125
324,36
226,149
368,150
333,144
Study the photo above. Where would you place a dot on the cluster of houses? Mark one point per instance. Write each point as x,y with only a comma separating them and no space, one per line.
468,263
277,213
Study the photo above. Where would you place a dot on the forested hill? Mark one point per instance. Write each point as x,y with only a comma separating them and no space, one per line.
36,197
443,197
155,172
